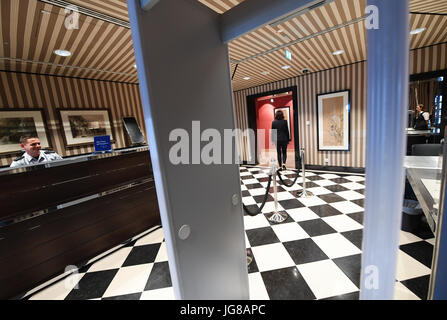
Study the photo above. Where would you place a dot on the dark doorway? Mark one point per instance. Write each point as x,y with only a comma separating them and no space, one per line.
254,121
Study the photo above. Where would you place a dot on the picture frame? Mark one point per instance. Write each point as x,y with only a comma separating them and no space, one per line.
17,122
286,113
80,126
333,121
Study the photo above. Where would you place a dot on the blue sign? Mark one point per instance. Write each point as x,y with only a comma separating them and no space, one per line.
102,143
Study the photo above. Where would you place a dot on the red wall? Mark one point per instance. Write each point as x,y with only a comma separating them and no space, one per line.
264,116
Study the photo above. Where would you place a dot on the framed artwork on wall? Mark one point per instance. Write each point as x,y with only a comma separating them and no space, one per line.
81,126
286,113
15,123
333,124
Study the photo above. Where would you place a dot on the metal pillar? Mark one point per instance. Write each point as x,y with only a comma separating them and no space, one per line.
275,216
184,76
387,104
252,14
304,193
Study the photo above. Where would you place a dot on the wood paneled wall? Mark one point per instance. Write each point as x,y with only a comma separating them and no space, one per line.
24,90
351,77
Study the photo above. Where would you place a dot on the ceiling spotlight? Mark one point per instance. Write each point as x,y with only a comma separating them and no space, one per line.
336,53
416,31
286,67
265,73
246,78
135,66
280,30
271,100
62,53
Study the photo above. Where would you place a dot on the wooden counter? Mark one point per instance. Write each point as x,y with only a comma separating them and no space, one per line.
66,213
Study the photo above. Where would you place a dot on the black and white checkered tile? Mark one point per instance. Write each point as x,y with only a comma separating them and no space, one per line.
314,254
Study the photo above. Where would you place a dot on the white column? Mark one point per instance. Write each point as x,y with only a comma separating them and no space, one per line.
184,76
387,104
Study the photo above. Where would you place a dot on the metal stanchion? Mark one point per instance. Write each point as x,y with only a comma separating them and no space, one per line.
304,193
275,216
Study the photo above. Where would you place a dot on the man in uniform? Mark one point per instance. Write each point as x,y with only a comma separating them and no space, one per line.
33,153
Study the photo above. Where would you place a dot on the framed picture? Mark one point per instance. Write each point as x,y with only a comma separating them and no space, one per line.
81,126
286,113
15,123
334,121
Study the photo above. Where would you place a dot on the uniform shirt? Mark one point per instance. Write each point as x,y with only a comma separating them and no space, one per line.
421,121
426,115
26,159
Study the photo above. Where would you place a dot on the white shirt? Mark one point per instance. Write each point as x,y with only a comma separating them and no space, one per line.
426,115
26,159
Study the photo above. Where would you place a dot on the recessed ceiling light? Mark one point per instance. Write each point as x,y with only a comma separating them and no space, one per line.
271,100
62,53
416,31
135,66
280,30
265,73
246,78
286,67
336,53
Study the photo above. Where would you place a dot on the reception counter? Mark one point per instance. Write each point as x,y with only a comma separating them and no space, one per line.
421,137
66,212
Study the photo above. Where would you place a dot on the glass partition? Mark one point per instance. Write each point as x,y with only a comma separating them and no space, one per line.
422,203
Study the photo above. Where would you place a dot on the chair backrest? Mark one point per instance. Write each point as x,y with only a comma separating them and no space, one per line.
428,149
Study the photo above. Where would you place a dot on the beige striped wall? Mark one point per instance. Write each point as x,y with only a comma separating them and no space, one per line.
21,90
351,77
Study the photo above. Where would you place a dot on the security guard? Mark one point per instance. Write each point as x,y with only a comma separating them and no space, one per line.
33,153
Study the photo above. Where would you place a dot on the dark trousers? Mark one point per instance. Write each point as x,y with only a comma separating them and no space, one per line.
281,149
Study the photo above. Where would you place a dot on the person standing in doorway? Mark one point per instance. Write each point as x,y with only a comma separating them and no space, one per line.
280,137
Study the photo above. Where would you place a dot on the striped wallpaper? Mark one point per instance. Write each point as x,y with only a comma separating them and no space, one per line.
351,77
22,90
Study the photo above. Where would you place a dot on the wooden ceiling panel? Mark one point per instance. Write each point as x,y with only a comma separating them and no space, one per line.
428,6
99,49
103,50
220,6
113,8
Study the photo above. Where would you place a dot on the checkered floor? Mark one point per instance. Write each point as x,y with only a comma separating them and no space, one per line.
314,254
